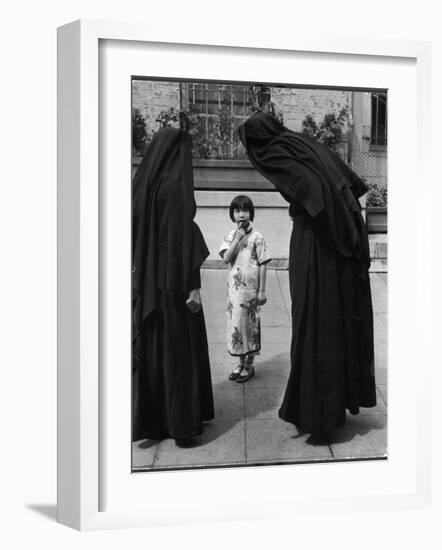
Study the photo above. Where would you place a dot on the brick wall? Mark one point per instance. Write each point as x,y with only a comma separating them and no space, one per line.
152,97
296,104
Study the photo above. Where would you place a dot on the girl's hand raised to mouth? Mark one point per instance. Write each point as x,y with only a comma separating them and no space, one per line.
239,234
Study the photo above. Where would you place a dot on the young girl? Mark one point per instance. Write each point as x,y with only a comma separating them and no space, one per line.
245,251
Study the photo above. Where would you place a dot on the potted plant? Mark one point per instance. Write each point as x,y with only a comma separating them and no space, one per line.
376,208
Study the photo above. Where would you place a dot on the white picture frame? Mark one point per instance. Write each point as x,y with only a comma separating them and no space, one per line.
81,473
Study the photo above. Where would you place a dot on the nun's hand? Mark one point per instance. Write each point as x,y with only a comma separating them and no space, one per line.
193,302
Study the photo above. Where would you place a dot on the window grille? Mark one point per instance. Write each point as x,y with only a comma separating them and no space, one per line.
378,119
219,110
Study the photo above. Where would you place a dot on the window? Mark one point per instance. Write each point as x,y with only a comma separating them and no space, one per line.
218,110
378,118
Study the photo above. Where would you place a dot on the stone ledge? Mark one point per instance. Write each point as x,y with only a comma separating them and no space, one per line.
261,199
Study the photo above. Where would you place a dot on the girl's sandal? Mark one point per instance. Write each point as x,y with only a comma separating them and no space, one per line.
236,372
250,370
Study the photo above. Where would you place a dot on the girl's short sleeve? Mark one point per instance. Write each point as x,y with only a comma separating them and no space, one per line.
262,252
225,243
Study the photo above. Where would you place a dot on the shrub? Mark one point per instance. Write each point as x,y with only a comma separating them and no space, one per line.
139,134
377,195
169,117
330,131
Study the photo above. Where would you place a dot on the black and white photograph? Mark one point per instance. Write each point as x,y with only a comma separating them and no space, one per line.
259,274
221,276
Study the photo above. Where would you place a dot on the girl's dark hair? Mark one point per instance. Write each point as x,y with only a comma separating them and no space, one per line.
242,202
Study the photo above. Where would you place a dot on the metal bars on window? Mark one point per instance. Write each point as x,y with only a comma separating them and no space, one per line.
219,109
378,119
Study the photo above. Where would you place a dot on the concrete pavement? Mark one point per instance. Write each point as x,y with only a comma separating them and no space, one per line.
246,428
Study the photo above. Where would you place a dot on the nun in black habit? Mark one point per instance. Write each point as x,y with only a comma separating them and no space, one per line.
332,352
172,387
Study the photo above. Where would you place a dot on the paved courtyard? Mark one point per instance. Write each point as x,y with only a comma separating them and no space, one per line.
246,428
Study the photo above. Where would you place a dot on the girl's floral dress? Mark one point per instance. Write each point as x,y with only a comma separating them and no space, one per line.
243,322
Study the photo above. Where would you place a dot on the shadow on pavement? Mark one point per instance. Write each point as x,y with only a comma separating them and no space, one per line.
358,425
49,511
148,443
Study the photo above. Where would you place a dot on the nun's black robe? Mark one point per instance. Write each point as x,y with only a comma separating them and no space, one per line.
332,353
172,388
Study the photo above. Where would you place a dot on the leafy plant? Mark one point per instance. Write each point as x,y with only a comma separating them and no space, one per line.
310,127
139,133
169,117
330,131
223,125
202,144
377,195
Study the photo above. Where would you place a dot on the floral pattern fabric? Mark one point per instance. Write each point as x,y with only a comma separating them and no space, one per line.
242,309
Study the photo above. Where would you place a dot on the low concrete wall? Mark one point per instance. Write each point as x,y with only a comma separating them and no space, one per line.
236,175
